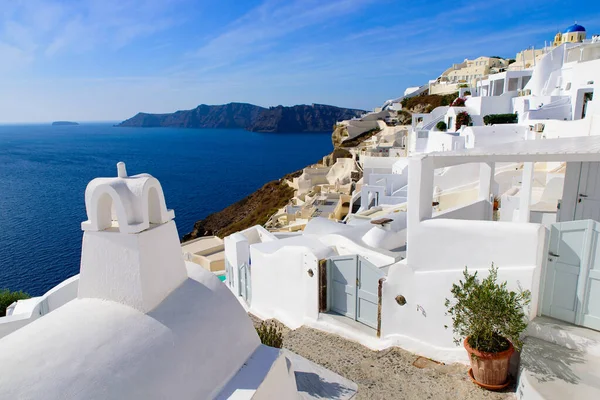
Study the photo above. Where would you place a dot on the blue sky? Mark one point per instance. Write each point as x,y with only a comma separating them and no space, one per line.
92,60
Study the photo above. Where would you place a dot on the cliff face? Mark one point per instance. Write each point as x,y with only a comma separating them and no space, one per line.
232,115
252,210
301,118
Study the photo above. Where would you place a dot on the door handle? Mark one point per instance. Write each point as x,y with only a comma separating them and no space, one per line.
552,254
582,195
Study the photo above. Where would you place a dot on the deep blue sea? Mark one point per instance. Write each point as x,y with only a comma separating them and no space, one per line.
44,171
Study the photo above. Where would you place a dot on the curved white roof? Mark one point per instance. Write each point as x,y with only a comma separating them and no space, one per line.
98,349
390,237
323,226
144,325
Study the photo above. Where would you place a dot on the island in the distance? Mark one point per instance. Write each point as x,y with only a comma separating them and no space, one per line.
299,118
64,123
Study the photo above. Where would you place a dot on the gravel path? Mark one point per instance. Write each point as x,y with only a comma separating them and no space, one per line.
387,374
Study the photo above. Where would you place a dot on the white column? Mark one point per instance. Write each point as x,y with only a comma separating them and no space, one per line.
525,193
420,198
486,178
420,190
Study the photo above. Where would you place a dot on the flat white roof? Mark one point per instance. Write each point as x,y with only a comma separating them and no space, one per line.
578,149
201,244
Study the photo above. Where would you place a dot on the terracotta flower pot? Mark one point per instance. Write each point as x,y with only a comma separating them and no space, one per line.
490,369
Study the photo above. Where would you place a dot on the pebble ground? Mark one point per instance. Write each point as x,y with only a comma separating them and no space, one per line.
389,374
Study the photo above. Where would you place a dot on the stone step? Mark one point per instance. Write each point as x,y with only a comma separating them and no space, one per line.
564,334
551,371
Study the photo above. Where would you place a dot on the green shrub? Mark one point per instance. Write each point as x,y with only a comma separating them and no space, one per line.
467,93
487,313
463,118
463,85
270,335
441,126
494,119
7,298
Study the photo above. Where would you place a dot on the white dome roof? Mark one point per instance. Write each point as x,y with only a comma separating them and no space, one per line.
98,349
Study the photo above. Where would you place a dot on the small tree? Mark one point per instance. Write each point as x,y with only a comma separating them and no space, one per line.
270,335
487,313
7,298
441,126
463,118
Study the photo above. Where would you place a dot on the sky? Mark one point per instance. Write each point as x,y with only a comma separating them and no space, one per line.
106,60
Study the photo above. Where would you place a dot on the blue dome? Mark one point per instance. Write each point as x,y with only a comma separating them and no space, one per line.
575,28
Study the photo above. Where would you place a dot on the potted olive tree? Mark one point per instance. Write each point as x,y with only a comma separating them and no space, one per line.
488,319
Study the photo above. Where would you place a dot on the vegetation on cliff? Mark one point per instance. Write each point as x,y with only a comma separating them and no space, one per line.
404,117
360,138
251,210
426,103
300,118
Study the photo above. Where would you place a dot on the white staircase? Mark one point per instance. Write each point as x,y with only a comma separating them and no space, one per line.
559,361
431,124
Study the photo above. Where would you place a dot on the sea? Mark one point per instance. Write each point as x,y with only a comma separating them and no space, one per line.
44,171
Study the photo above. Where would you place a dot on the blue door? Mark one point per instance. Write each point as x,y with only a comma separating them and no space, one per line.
353,287
572,281
590,312
367,297
343,285
563,271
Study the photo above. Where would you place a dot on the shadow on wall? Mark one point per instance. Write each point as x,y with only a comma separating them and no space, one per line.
549,363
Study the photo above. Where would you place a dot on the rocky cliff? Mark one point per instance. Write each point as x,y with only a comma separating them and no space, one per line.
254,209
300,118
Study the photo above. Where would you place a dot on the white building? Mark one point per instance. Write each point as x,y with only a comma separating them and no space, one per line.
523,196
144,324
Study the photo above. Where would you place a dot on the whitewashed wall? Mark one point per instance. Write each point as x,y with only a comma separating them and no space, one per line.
438,251
486,105
419,325
481,136
281,285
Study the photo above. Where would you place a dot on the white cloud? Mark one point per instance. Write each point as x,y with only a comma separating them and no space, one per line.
50,27
262,28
